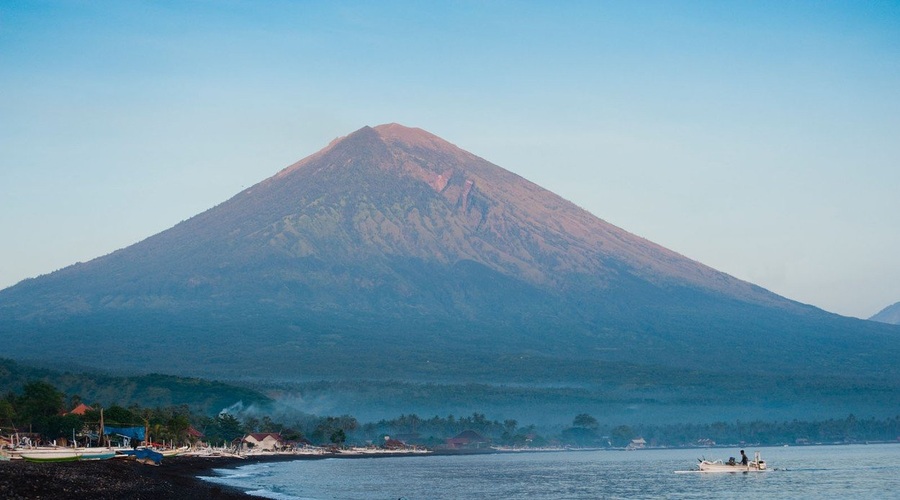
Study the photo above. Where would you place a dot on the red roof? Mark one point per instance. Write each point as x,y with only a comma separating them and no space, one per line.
81,409
466,438
259,436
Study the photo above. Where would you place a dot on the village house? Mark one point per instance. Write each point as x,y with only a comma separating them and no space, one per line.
637,443
81,409
266,441
194,435
467,439
393,444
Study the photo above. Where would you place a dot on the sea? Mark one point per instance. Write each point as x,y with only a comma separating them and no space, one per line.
839,471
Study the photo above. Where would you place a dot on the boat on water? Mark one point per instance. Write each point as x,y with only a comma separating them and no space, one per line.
755,465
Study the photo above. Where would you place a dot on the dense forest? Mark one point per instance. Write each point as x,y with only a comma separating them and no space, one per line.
202,396
584,431
43,412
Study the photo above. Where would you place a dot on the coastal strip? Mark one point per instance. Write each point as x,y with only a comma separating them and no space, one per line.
175,478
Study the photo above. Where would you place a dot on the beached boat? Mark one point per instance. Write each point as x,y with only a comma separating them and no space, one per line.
174,451
96,453
755,465
61,455
144,455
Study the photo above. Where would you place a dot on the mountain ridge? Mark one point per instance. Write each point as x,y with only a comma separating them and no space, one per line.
284,233
889,315
441,179
393,249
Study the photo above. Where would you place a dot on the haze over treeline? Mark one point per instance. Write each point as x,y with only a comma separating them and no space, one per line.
186,411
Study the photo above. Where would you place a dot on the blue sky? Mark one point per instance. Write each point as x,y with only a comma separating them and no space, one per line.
761,138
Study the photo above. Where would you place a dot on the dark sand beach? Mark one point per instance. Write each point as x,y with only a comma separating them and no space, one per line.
175,478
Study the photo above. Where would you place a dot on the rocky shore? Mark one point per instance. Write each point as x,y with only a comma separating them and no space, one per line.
175,478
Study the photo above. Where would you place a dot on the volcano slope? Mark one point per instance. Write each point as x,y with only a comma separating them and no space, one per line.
392,254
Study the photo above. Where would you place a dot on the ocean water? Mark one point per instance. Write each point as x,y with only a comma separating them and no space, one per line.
853,471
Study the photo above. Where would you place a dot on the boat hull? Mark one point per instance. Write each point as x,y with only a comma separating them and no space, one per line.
144,455
105,455
707,466
756,465
56,456
173,452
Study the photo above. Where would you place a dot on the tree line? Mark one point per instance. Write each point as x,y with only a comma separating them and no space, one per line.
41,409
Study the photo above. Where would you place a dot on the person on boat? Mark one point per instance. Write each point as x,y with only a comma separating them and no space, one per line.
744,459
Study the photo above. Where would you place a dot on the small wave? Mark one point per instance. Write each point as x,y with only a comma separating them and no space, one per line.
256,470
237,475
272,494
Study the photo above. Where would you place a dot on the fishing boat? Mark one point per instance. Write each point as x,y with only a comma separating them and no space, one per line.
144,455
172,452
51,455
755,465
102,453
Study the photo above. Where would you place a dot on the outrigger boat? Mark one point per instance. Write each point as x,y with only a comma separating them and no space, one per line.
101,453
54,455
174,451
144,455
755,465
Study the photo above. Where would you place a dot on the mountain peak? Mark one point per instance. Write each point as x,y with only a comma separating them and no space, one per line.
394,133
890,315
391,240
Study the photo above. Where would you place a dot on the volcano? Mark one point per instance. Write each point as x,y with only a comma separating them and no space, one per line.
394,254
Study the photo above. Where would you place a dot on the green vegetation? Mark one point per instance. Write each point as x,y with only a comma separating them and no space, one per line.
154,390
618,393
585,432
40,408
845,430
603,371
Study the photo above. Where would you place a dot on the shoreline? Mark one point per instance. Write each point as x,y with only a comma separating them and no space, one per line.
175,478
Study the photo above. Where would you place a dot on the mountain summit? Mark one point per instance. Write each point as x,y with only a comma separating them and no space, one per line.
394,192
392,252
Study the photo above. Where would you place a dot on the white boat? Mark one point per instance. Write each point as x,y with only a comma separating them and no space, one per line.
755,465
50,455
174,451
101,453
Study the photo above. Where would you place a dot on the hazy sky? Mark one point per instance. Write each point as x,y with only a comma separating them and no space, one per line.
761,138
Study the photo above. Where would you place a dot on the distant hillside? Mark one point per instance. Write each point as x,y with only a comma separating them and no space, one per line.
150,391
890,315
392,254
